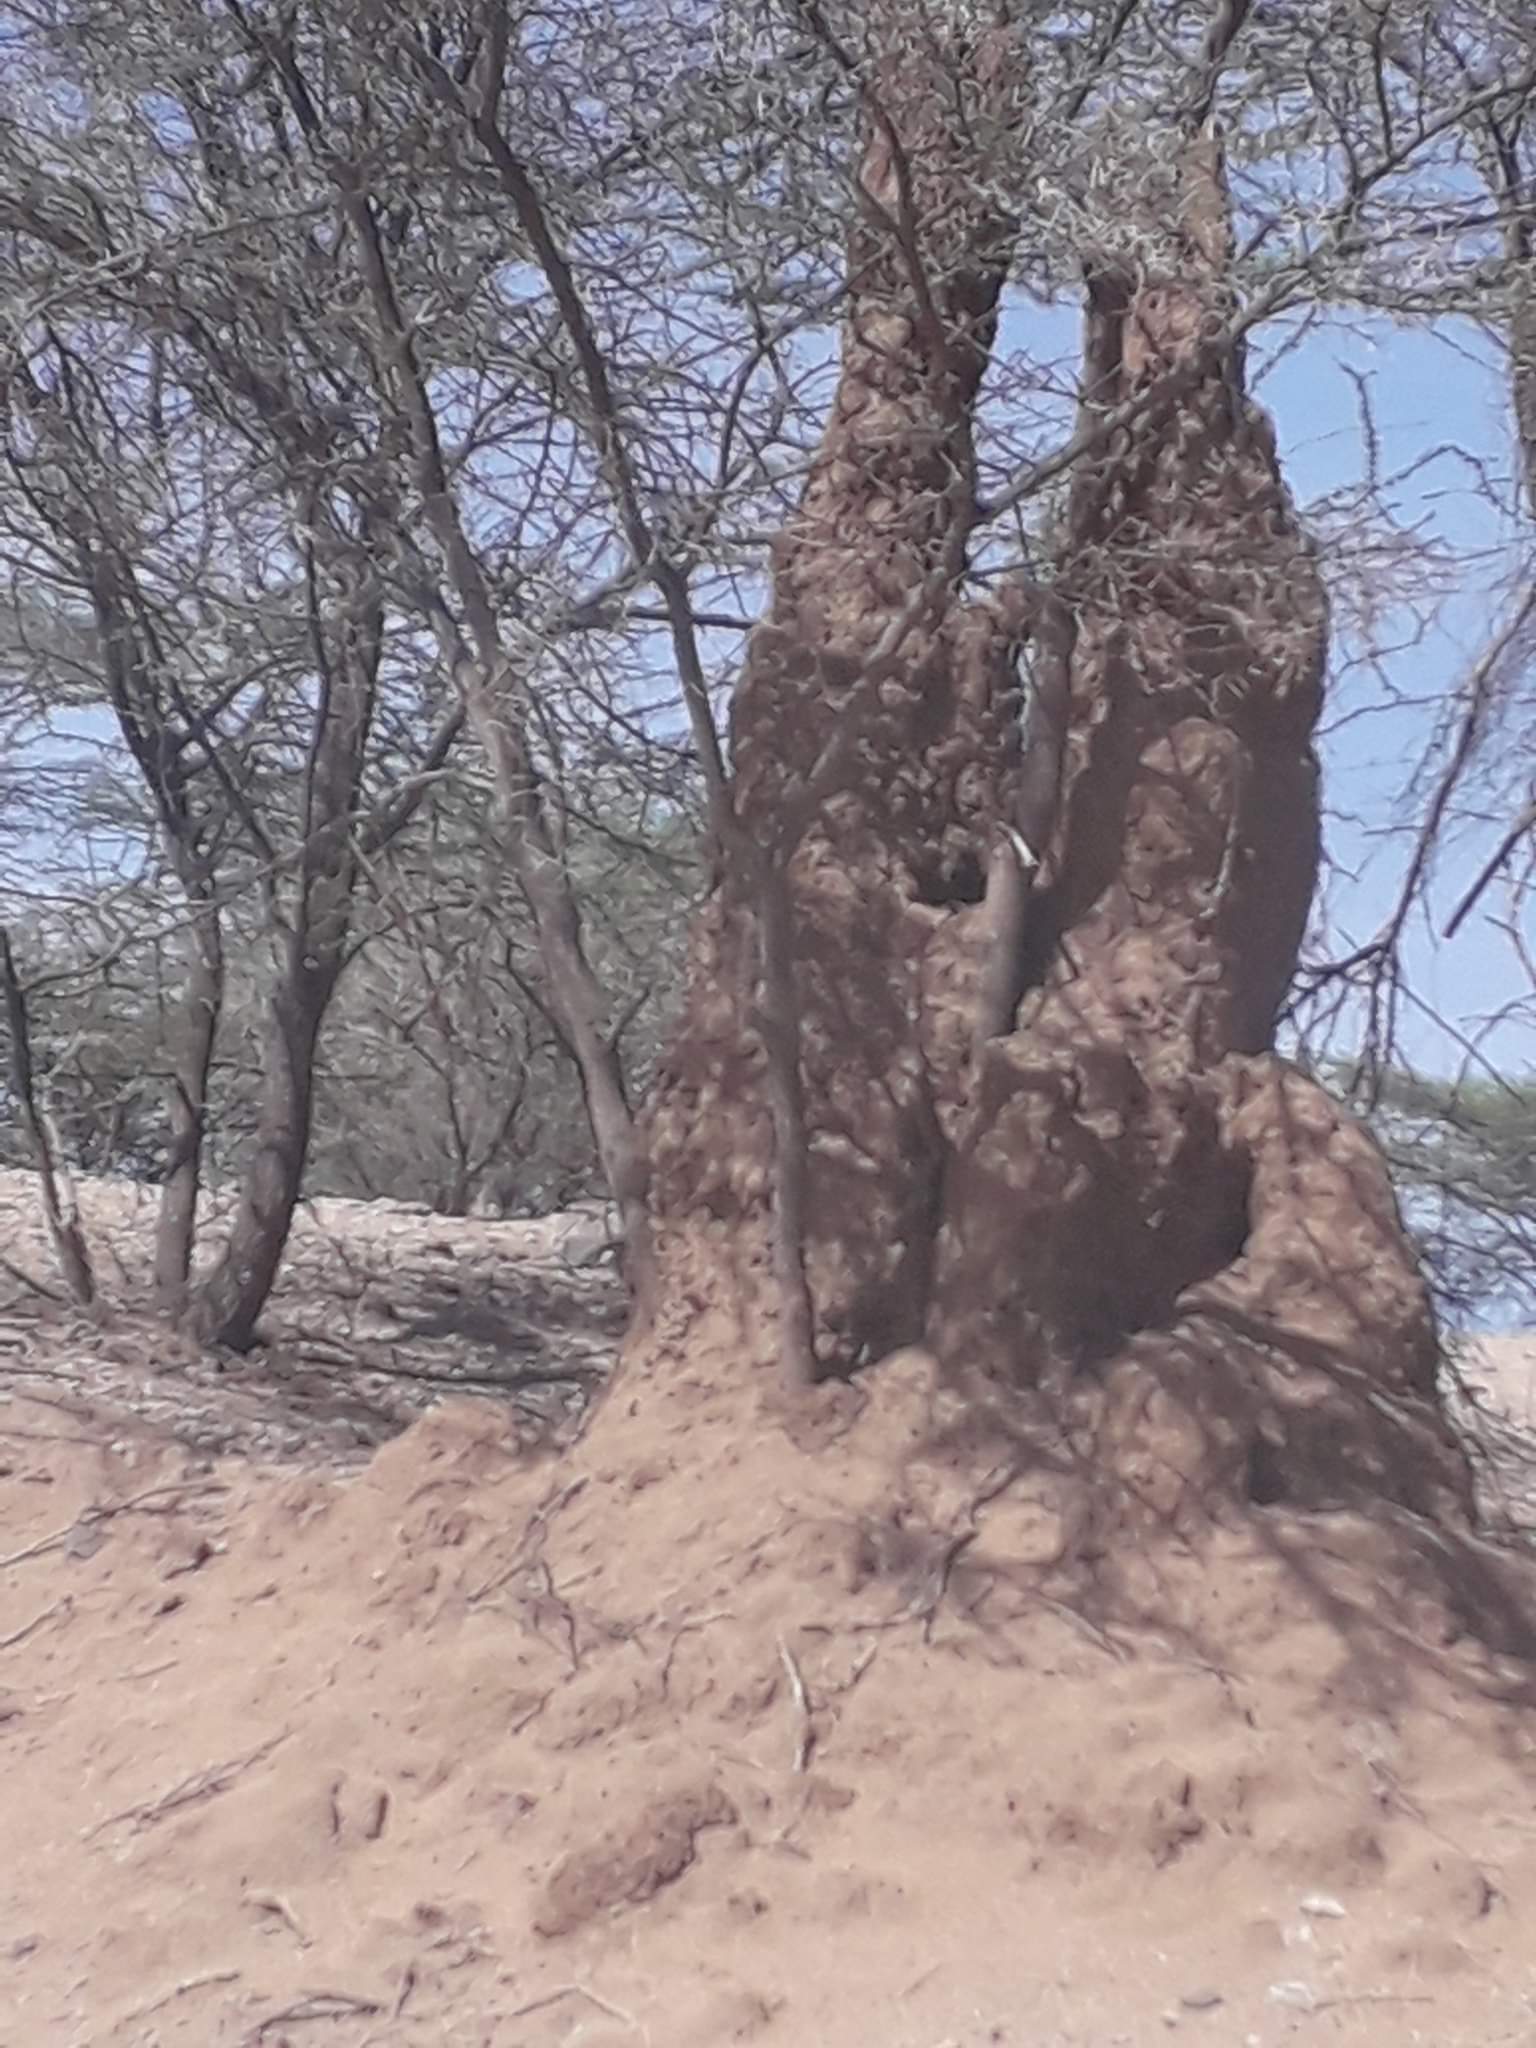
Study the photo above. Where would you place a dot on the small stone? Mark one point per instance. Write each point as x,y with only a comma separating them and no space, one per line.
84,1539
1322,1907
1293,1992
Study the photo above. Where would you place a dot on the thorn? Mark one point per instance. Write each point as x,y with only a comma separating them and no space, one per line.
1027,857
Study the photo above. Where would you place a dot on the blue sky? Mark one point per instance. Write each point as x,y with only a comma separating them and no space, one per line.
1436,396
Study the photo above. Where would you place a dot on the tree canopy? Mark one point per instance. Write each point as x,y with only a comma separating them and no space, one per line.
400,406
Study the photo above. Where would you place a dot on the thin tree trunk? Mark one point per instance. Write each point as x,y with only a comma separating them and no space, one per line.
777,1024
160,742
192,1031
226,1305
489,684
55,1183
576,997
229,1301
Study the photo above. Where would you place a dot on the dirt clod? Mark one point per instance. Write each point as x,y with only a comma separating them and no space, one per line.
629,1865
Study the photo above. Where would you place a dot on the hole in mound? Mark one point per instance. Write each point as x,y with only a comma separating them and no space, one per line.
959,881
1266,1478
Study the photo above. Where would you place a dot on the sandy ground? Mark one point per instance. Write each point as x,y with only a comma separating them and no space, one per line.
388,1718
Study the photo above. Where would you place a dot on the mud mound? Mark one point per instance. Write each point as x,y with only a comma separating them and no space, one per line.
691,1736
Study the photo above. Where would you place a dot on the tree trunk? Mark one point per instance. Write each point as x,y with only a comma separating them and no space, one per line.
1036,993
233,1295
577,999
54,1181
192,1031
489,685
229,1300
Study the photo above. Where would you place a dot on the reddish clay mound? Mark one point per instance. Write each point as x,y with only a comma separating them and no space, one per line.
691,1736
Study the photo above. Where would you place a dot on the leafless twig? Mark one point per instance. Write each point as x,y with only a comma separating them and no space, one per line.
806,1736
205,1784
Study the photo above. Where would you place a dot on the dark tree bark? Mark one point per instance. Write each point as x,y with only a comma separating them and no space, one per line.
314,951
162,736
190,1033
488,679
165,736
1044,1129
55,1186
227,1303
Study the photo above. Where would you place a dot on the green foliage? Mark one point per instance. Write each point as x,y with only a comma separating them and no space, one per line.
440,1077
1463,1154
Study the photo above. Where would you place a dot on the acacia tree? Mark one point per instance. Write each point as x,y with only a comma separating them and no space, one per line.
196,724
326,223
77,468
322,227
196,202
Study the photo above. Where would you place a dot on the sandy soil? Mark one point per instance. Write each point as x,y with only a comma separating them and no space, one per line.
388,1718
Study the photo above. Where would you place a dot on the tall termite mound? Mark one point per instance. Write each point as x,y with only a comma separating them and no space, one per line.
1031,991
1146,1208
880,712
